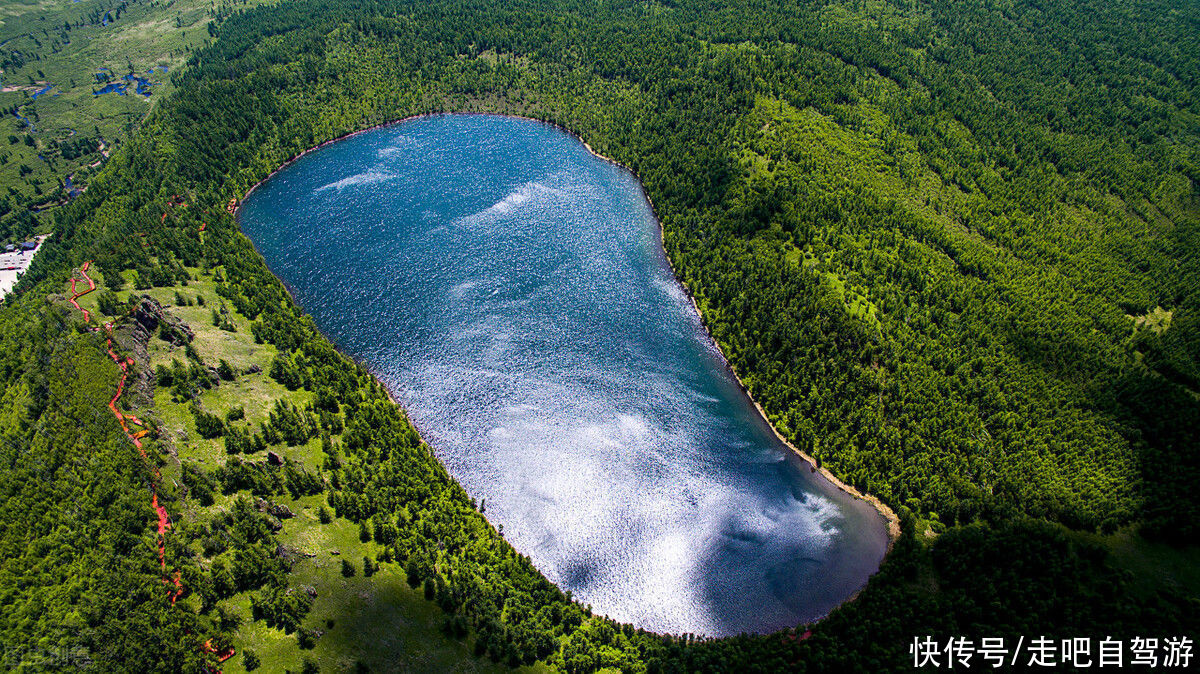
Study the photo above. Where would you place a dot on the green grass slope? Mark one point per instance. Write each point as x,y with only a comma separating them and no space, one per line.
918,233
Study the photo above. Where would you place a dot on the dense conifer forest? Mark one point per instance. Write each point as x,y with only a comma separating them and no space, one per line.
953,248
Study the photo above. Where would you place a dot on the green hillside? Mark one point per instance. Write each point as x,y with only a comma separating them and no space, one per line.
64,93
952,248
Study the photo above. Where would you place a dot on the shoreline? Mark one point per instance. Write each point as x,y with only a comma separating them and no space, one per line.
892,521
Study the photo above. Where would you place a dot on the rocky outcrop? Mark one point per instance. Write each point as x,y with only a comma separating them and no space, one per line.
276,510
133,336
151,317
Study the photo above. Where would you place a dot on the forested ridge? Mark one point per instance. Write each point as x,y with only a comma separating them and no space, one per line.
952,248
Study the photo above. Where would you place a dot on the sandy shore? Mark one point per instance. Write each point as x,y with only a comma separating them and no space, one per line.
893,522
12,265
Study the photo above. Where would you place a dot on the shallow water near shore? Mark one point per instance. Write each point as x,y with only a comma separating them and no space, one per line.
510,289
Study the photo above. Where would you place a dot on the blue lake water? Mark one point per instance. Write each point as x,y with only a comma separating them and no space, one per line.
510,289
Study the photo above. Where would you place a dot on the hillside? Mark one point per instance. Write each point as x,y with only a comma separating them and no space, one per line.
954,251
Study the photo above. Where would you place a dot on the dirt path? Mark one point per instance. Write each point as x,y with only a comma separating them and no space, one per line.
172,579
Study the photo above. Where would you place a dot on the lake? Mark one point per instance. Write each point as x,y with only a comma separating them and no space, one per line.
510,289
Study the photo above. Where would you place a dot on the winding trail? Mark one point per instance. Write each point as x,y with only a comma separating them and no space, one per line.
135,436
164,519
75,295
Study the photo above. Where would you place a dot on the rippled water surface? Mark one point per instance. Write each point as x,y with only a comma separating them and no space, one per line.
510,288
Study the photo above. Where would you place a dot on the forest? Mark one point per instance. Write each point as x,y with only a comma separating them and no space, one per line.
953,249
75,79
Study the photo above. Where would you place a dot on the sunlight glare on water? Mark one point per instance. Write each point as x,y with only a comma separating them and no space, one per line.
510,289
